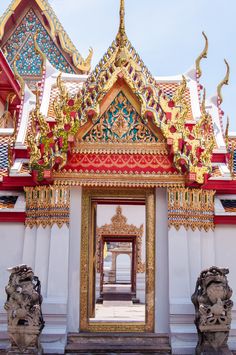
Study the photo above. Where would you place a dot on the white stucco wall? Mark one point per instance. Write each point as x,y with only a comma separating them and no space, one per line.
46,251
11,249
190,252
162,266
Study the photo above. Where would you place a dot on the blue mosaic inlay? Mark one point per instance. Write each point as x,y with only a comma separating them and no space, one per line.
21,41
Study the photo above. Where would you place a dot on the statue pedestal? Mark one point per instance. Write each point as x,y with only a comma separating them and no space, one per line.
213,343
24,340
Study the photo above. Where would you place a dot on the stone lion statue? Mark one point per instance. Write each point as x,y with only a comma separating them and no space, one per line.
23,306
212,310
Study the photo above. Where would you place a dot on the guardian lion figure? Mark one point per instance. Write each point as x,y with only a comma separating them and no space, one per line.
212,311
23,306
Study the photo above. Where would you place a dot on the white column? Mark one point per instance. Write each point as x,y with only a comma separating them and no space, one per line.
195,260
58,264
162,272
41,256
29,247
178,264
208,249
74,260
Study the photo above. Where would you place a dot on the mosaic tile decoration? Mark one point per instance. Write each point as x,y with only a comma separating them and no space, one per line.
7,201
169,90
3,156
120,123
229,205
4,141
21,41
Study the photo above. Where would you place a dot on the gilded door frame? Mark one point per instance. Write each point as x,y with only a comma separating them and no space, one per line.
87,261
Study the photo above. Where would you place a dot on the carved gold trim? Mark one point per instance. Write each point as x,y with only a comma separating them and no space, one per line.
47,205
119,227
122,148
191,208
93,326
117,180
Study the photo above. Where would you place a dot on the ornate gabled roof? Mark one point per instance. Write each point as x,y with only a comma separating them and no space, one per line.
49,26
121,67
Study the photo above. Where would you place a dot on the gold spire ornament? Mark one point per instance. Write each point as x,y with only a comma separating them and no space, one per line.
121,36
225,81
123,55
201,56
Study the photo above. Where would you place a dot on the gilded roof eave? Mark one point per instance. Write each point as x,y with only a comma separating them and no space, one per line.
56,28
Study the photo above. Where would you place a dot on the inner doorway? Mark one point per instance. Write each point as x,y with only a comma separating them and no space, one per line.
120,260
118,269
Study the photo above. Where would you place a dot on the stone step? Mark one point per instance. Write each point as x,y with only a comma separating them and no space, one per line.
118,343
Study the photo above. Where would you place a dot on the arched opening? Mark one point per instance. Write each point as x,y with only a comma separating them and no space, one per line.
123,269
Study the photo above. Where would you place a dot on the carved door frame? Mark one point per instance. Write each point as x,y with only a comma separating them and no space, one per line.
87,261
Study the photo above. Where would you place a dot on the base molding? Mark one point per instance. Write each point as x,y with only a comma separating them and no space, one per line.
135,343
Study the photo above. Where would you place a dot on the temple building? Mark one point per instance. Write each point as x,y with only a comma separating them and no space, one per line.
117,187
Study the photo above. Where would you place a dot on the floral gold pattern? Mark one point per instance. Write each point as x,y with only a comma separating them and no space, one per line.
120,123
47,205
191,208
119,227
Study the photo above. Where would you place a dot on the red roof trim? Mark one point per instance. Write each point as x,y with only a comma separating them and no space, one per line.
12,217
10,75
9,181
222,187
224,219
218,158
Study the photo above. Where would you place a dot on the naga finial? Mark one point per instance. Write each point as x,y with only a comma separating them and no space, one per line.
18,76
203,106
231,160
39,52
227,133
225,81
201,56
121,36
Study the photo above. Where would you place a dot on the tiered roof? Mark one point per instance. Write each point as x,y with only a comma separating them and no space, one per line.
18,25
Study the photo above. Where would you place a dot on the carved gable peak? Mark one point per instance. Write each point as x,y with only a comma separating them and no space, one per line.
120,123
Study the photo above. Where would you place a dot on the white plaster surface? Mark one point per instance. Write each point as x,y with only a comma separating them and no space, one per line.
73,307
11,249
189,253
162,267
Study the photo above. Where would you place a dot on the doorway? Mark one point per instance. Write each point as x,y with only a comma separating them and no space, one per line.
118,223
118,268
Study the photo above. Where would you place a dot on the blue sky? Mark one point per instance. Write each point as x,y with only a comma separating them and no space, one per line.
167,35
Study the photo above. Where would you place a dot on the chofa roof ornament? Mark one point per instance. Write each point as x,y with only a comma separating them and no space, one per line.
225,81
201,56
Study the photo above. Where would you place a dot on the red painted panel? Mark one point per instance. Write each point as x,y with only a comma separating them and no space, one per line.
224,219
12,217
218,158
120,163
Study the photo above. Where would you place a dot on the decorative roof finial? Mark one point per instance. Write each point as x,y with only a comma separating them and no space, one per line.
227,133
18,76
225,81
201,56
121,36
39,52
